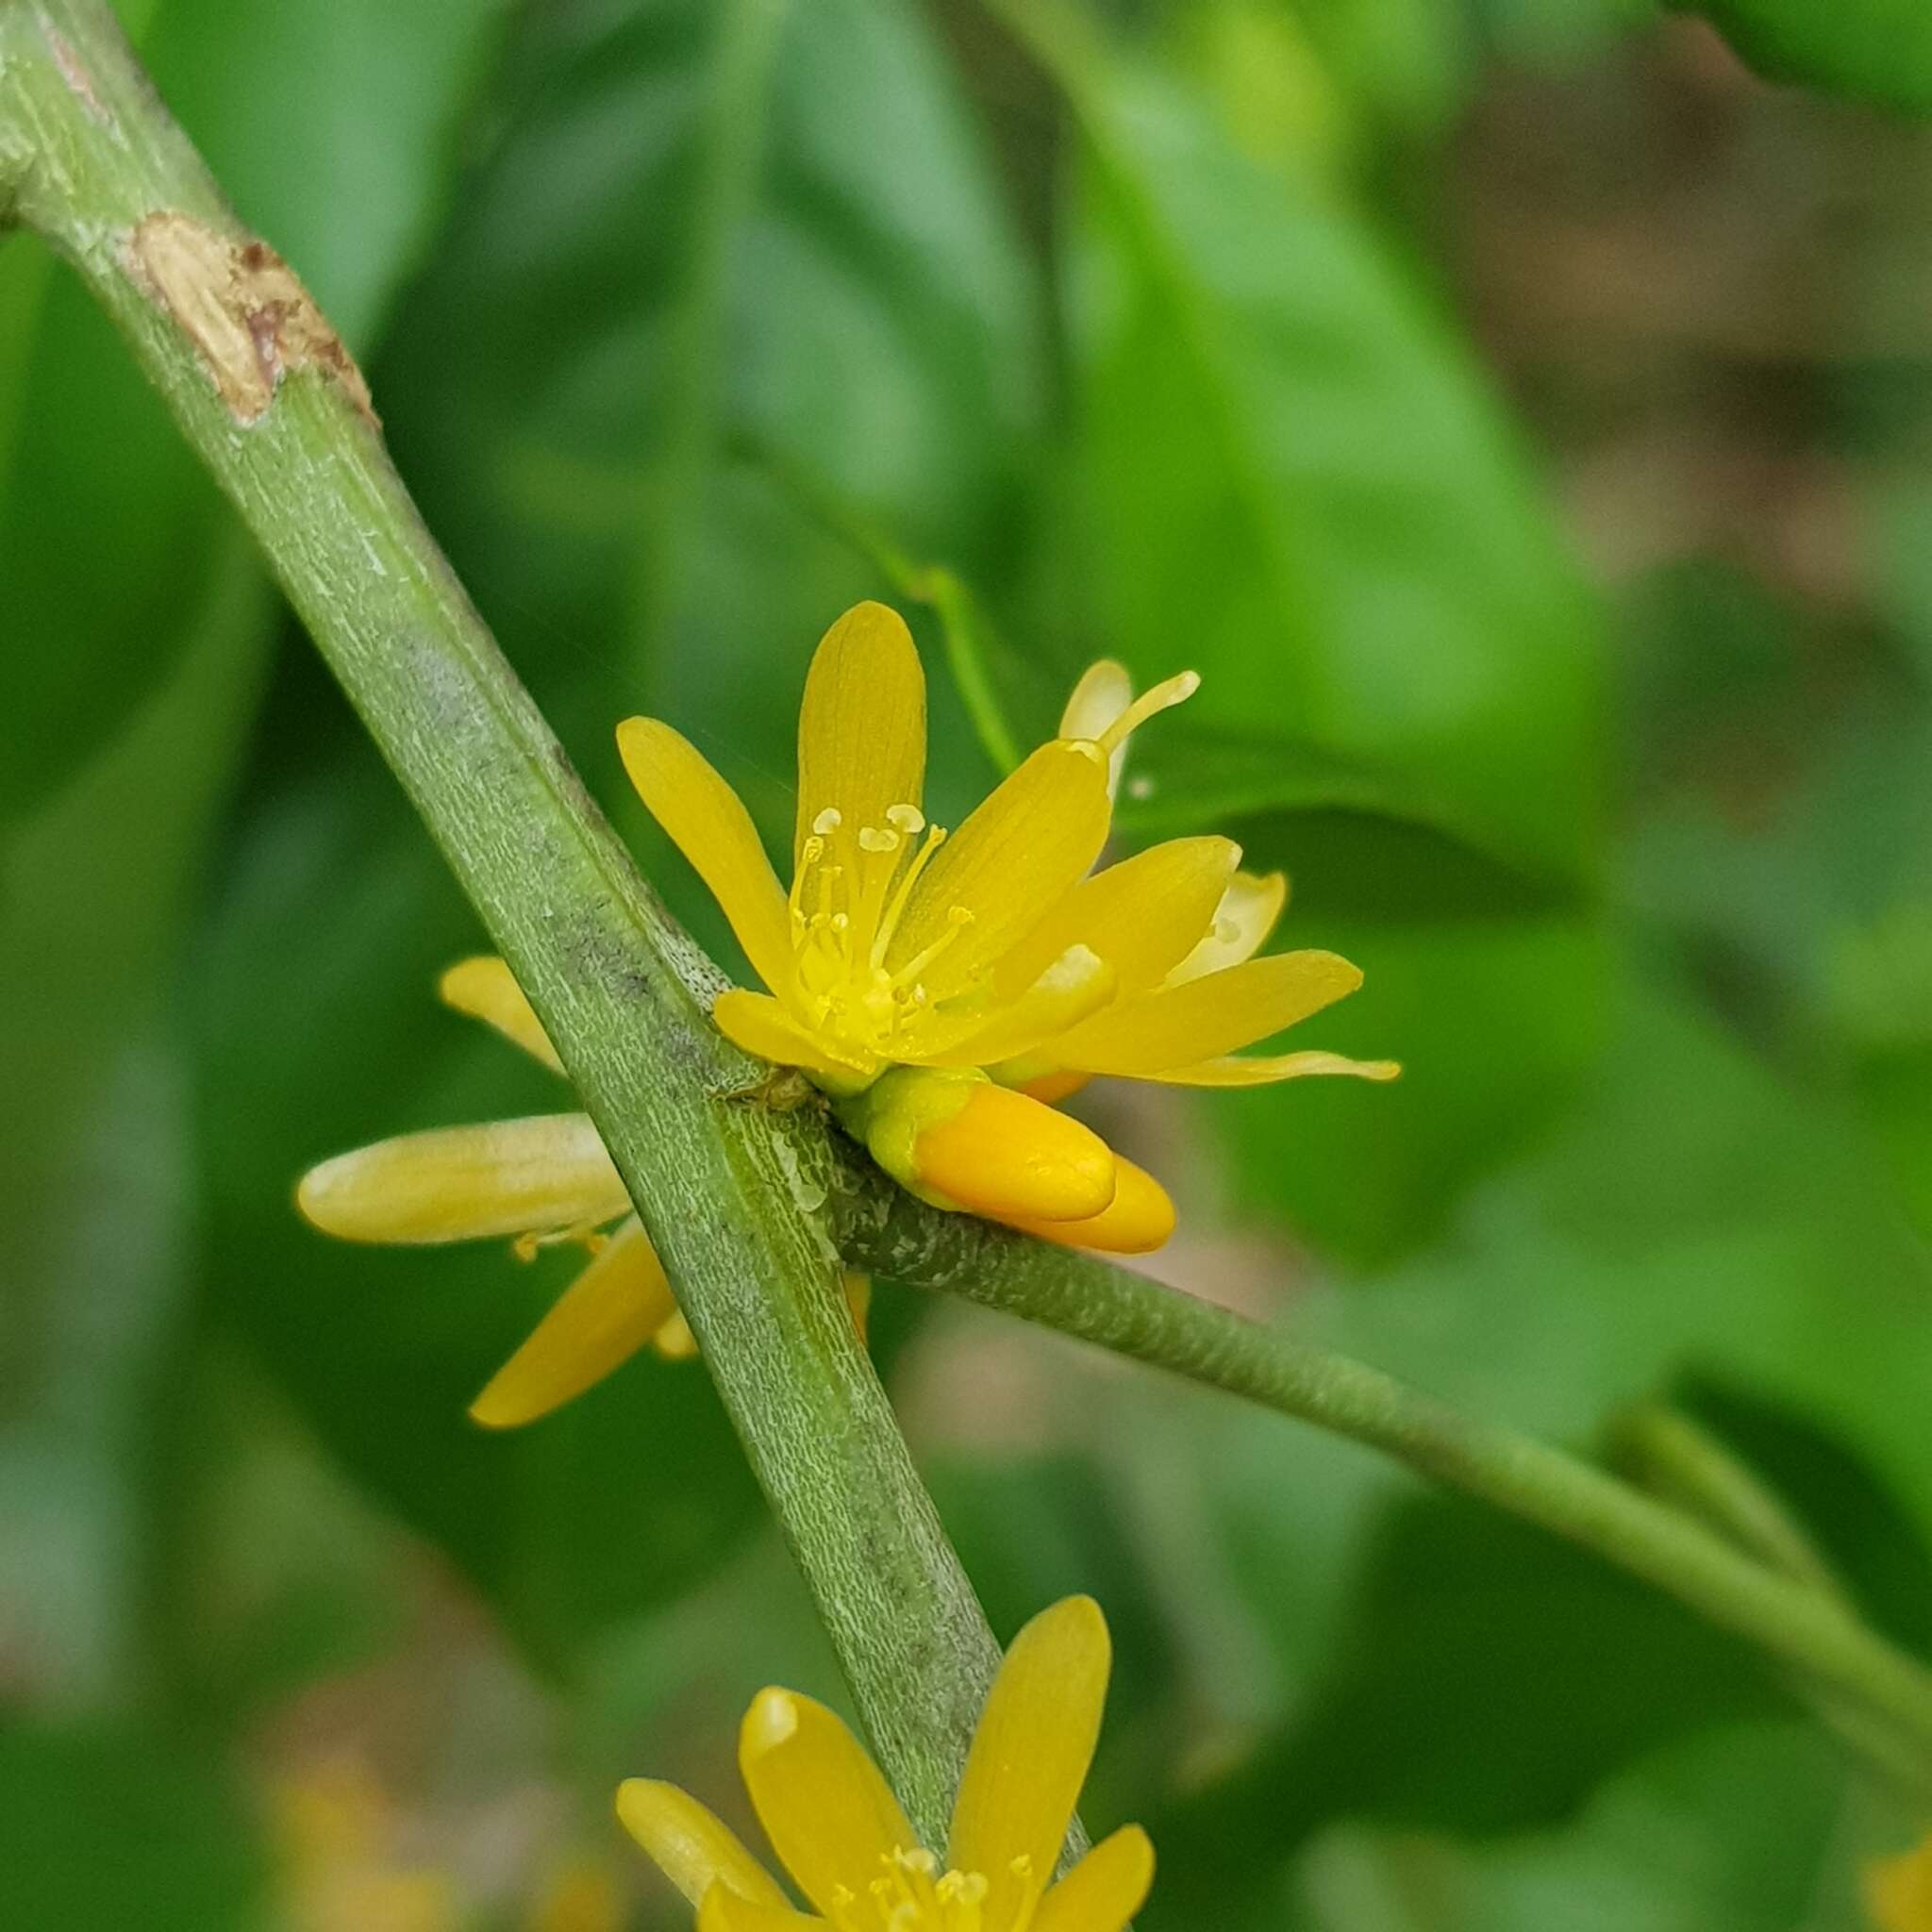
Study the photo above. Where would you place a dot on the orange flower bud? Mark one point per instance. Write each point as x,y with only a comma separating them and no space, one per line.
955,1139
1138,1220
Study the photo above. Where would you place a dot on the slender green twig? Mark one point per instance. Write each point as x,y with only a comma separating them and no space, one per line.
1669,1454
267,395
1666,1451
881,1228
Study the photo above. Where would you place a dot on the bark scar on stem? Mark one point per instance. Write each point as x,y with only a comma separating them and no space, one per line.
79,83
242,307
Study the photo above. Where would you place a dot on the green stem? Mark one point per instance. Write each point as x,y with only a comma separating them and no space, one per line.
884,1229
1672,1456
1663,1451
267,396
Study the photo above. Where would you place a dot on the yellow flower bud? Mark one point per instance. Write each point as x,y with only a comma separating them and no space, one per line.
1138,1220
957,1140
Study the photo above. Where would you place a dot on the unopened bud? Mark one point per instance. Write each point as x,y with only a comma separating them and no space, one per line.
959,1140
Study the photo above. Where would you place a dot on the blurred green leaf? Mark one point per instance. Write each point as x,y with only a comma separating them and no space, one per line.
96,1186
1299,486
1486,1679
1749,1827
1871,50
109,531
104,1830
1489,991
670,184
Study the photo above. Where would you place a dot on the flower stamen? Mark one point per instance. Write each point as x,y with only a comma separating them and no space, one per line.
1160,697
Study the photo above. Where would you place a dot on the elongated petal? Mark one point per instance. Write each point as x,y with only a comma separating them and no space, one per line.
828,1813
694,1848
759,1025
1105,1890
1031,1751
1264,1070
1077,984
1009,1157
462,1184
708,824
862,728
1142,916
1001,872
600,1321
725,1911
1242,921
1137,1221
487,989
1179,1025
1104,692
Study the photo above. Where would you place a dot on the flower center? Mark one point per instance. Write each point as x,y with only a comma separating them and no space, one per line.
848,899
912,1894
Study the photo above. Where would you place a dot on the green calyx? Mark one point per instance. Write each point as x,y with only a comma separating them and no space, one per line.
891,1114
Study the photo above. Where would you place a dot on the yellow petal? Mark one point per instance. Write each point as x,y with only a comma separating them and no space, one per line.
725,1911
691,1847
673,1341
487,989
1138,1220
708,824
1898,1891
858,1288
758,1022
1141,916
1077,984
1105,1890
1177,1026
1264,1070
1031,1751
457,1184
1004,870
862,728
1104,691
1053,1085
600,1321
1009,1157
1241,926
827,1811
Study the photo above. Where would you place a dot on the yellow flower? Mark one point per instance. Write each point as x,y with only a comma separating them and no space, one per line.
909,972
543,1179
1899,1892
841,1834
339,1832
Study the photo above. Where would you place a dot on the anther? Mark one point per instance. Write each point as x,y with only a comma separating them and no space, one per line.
906,818
828,822
873,839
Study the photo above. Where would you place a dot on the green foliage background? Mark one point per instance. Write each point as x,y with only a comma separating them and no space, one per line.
1522,416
